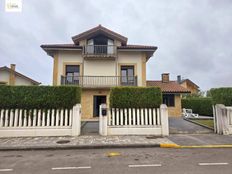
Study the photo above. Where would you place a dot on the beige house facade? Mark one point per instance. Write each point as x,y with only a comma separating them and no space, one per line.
9,76
97,60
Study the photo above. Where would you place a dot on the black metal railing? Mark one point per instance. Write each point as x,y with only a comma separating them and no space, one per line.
99,81
106,50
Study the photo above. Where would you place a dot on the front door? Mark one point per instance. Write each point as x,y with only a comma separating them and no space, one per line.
97,101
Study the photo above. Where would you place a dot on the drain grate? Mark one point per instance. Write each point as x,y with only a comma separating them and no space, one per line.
63,142
153,137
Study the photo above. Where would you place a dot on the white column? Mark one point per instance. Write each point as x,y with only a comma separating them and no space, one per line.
164,119
76,120
103,120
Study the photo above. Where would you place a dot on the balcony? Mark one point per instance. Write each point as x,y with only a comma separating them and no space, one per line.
99,81
99,51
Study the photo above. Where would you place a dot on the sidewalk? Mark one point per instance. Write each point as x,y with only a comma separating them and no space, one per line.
81,142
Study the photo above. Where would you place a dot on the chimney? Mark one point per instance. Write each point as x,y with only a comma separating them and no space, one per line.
165,77
12,74
179,79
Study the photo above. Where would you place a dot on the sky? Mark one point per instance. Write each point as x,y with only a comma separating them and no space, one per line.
194,37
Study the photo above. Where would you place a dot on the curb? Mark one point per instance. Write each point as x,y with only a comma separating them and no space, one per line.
67,147
195,146
189,120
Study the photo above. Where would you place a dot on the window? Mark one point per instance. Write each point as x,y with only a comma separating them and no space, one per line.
72,74
127,73
169,99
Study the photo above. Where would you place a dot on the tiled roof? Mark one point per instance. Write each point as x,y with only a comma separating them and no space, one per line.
97,29
169,87
19,74
137,47
61,46
51,46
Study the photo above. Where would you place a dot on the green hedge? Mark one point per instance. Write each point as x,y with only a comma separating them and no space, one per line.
42,97
135,97
201,106
221,96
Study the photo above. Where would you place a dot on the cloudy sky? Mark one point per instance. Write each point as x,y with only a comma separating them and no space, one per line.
194,38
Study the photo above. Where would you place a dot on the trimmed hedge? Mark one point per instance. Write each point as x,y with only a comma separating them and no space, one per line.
135,97
221,96
39,97
201,106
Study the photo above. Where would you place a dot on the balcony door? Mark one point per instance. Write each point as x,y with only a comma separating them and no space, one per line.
72,73
127,75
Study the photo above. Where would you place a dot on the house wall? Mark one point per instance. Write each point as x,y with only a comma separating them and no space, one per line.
87,101
65,58
99,67
132,58
190,87
4,76
22,81
176,110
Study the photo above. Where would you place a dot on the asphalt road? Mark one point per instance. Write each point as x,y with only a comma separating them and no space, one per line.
147,160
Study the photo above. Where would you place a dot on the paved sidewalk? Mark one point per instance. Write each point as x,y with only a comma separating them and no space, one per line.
201,139
81,142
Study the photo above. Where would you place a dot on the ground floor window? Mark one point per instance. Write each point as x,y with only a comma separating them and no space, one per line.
169,99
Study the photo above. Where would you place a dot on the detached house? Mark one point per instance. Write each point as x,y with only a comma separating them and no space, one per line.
97,60
9,76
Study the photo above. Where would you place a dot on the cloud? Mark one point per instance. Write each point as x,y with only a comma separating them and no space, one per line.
193,37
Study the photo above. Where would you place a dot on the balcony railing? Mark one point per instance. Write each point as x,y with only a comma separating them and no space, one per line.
99,81
100,50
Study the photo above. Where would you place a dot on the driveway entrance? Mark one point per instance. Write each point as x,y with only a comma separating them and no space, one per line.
181,126
90,128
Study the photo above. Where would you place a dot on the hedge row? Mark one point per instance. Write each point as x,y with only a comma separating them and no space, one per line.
201,106
135,97
221,96
39,97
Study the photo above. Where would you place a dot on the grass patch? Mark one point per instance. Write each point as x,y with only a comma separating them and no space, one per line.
208,123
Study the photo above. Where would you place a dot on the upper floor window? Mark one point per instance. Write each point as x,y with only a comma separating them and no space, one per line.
72,73
127,73
169,99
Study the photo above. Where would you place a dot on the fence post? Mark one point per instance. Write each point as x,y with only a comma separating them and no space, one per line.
103,119
164,120
76,120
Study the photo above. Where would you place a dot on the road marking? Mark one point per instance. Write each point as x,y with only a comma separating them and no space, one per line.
6,170
71,168
212,164
144,165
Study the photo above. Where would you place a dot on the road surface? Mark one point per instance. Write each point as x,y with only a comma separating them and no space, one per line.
100,161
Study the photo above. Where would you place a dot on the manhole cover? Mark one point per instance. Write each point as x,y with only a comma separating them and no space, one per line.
63,142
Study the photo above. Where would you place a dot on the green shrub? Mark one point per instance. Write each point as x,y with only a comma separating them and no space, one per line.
201,106
221,96
43,97
135,97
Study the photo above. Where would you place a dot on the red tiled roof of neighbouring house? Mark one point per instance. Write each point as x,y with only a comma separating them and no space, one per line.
20,75
169,87
97,30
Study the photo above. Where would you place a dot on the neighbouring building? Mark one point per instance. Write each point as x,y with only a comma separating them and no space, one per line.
171,92
187,83
9,76
97,60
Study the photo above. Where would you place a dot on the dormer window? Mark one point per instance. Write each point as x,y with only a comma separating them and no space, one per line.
99,45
